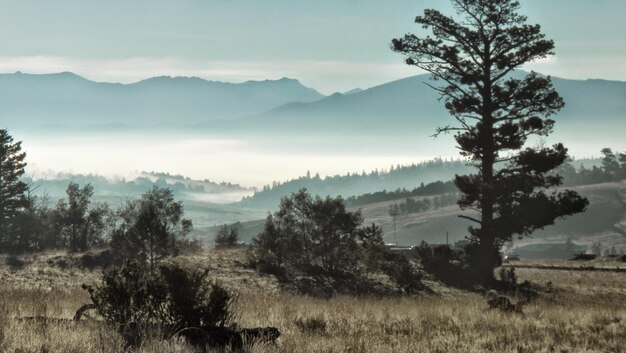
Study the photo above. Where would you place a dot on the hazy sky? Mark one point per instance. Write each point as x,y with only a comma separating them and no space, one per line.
331,45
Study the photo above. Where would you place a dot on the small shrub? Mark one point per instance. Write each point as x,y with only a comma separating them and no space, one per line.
404,274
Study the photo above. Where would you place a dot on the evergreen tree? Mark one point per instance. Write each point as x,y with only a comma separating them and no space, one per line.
610,164
13,198
475,58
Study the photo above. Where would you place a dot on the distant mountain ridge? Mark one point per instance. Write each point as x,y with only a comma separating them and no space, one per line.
410,102
68,99
273,105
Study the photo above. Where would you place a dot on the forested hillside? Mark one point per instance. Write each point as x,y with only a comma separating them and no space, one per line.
352,184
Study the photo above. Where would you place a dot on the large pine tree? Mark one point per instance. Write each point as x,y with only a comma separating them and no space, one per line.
12,189
473,59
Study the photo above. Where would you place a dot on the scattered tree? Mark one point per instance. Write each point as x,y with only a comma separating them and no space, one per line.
227,235
150,228
373,247
311,232
496,113
79,225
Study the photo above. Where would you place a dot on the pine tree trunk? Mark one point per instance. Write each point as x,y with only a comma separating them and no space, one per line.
486,263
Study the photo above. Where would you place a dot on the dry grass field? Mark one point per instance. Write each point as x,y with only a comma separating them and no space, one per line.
577,311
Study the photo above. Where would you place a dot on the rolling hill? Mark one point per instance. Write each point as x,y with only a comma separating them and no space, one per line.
604,222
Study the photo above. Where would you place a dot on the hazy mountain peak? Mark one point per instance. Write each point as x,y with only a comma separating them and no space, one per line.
352,91
68,99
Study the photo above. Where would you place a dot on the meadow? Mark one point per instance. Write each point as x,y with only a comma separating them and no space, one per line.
576,311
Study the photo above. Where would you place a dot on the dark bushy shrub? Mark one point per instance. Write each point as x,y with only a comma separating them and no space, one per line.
444,264
98,259
170,300
508,277
404,274
227,236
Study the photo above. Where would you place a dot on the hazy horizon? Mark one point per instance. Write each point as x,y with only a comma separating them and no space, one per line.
327,45
331,46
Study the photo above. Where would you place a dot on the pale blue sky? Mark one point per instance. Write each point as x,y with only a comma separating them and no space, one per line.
331,45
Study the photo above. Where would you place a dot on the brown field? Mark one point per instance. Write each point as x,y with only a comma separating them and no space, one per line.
579,311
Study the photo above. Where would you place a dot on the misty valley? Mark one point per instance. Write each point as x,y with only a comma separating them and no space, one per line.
312,177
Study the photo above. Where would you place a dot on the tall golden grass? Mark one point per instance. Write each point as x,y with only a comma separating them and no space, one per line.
577,312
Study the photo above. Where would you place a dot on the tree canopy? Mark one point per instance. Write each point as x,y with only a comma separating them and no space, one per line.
149,229
497,110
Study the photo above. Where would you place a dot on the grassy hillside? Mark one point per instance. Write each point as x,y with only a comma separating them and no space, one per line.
577,312
604,222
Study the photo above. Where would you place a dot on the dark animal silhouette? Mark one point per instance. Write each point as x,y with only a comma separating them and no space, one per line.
220,337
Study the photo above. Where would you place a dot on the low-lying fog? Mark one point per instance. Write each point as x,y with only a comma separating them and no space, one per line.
250,161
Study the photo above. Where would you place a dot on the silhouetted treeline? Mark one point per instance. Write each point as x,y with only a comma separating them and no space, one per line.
352,184
434,188
55,186
148,228
420,205
612,168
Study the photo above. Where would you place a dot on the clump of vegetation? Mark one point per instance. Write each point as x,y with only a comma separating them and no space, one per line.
402,272
310,233
411,205
170,300
14,262
227,236
318,236
444,264
80,225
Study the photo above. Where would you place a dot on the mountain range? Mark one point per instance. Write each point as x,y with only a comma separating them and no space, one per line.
410,102
280,105
68,99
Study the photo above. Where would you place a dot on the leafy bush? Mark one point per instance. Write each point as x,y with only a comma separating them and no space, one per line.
373,249
310,234
169,301
319,237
